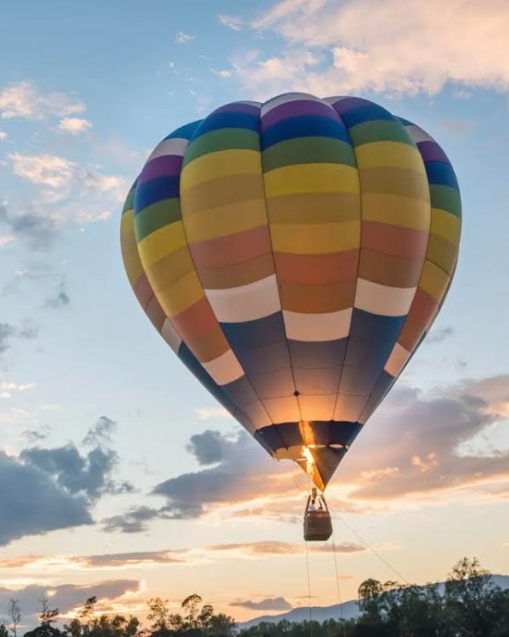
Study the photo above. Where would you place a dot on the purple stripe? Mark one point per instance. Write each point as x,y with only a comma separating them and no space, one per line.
348,104
165,166
431,151
237,107
297,108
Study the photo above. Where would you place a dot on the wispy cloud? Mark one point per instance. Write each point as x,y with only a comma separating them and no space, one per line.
23,100
183,38
224,73
232,22
357,55
268,604
206,413
439,334
59,299
74,125
3,135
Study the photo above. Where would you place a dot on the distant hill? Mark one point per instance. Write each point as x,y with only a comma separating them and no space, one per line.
347,610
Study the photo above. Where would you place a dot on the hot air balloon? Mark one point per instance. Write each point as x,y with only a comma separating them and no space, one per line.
294,254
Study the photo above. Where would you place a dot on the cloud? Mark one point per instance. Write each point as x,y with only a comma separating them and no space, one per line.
67,193
74,125
232,22
416,51
224,73
66,597
101,432
22,100
34,503
60,298
276,547
183,38
269,604
89,475
419,447
9,332
34,436
133,521
205,413
7,387
3,135
439,334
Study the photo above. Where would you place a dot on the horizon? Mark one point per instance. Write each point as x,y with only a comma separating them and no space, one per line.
134,481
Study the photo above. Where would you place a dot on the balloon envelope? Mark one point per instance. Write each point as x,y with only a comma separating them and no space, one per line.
294,254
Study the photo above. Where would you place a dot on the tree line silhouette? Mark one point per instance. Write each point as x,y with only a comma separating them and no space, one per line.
469,604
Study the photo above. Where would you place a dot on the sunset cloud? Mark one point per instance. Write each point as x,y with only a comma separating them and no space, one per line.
410,451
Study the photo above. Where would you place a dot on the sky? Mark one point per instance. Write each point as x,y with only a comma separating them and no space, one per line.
119,475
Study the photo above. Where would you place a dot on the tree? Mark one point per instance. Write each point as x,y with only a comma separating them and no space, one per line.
159,614
14,615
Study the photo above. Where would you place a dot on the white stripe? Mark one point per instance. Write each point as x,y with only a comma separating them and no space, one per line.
249,103
285,99
383,299
396,360
170,335
317,327
224,369
174,146
247,302
417,134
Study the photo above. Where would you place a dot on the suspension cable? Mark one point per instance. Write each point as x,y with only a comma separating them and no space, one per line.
461,628
338,586
309,592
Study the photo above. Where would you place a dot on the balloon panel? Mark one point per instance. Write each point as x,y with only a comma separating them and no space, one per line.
294,255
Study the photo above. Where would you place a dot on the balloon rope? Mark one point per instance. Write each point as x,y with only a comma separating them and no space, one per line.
461,628
309,592
338,586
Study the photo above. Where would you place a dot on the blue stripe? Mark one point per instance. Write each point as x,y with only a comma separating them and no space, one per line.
442,174
304,126
264,331
185,132
405,122
195,367
380,331
228,120
319,355
366,114
156,190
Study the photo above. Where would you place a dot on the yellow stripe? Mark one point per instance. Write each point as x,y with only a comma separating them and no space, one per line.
160,243
127,222
445,225
220,164
181,295
389,154
132,265
434,280
320,239
395,210
305,178
225,220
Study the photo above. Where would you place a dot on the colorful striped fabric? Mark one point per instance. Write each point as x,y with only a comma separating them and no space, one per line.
294,254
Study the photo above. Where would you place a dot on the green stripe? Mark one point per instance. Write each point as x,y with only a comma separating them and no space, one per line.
379,131
222,139
308,150
129,202
156,216
446,198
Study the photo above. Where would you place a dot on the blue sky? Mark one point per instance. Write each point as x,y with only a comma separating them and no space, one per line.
86,91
